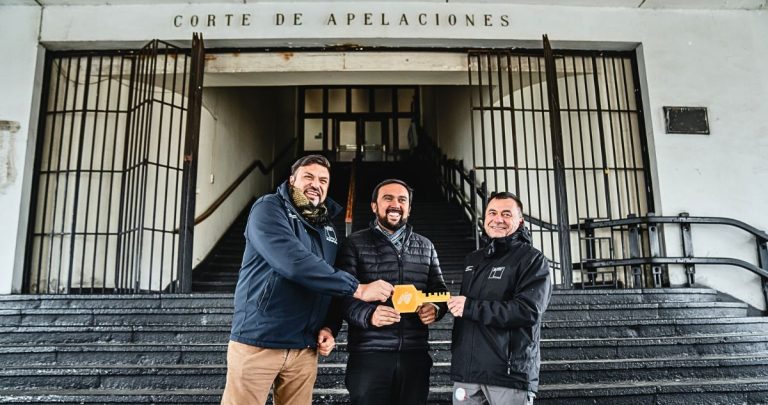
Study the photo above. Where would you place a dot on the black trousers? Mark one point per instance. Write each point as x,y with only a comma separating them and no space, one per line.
388,378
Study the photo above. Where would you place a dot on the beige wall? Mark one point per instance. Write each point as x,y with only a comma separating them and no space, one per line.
238,126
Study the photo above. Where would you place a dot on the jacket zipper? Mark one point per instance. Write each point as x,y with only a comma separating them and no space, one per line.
484,263
400,280
322,255
400,324
400,275
509,354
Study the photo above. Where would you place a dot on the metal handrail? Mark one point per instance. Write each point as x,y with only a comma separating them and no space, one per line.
452,170
231,189
595,264
688,260
350,201
681,219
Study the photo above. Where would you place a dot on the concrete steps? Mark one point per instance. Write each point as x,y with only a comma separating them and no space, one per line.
700,392
223,315
599,347
194,376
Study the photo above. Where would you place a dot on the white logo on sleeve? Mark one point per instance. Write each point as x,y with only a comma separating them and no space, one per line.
469,268
496,272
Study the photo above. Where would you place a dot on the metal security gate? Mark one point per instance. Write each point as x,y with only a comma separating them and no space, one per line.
573,152
118,141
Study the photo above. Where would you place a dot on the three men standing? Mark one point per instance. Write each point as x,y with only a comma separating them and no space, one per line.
284,291
504,292
282,318
389,362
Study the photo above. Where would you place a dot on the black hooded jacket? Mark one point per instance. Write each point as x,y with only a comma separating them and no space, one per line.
496,341
369,255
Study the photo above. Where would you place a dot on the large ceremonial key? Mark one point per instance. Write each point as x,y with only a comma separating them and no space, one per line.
407,298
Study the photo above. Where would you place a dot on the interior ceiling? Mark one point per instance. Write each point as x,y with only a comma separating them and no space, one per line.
649,4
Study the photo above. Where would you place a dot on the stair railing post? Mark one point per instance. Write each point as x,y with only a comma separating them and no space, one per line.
762,258
589,238
484,195
635,252
459,180
655,246
685,234
484,204
444,173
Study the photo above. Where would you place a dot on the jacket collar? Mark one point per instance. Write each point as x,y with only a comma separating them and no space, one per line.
501,245
408,230
282,190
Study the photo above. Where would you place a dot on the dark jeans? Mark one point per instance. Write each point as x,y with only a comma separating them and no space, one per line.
388,378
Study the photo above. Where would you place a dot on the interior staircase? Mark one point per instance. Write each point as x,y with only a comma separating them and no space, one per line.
654,346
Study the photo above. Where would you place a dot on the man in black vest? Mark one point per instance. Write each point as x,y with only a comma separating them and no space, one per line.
504,293
388,360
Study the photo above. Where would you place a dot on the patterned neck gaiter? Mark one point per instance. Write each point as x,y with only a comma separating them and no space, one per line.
315,215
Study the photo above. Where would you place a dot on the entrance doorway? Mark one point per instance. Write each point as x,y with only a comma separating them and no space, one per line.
369,123
365,138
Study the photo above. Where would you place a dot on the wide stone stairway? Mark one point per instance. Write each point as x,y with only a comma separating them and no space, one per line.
655,346
670,346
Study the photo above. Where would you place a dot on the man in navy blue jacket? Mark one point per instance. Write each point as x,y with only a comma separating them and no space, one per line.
284,290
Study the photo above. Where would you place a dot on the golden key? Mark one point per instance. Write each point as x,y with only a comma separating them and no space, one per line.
407,298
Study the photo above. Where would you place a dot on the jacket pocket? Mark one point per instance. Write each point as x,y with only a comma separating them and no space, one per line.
520,350
265,294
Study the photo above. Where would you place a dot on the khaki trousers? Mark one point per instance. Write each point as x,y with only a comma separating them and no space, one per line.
252,370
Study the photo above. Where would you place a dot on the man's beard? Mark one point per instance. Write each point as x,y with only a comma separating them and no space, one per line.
384,222
314,200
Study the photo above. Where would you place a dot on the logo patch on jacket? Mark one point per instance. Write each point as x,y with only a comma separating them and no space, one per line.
469,268
330,235
496,272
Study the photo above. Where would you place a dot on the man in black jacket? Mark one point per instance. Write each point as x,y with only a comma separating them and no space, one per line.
504,293
284,290
388,359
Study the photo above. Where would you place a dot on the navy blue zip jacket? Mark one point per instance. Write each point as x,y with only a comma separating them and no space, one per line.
286,282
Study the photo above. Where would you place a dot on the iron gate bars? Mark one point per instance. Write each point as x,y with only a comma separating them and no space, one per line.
596,168
511,150
107,186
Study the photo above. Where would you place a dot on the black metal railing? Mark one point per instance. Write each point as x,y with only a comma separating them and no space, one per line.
647,253
460,185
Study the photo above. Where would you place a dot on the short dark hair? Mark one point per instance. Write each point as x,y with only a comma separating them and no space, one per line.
506,195
375,194
310,160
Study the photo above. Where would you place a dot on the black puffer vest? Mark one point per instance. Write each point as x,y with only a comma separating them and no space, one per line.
370,256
